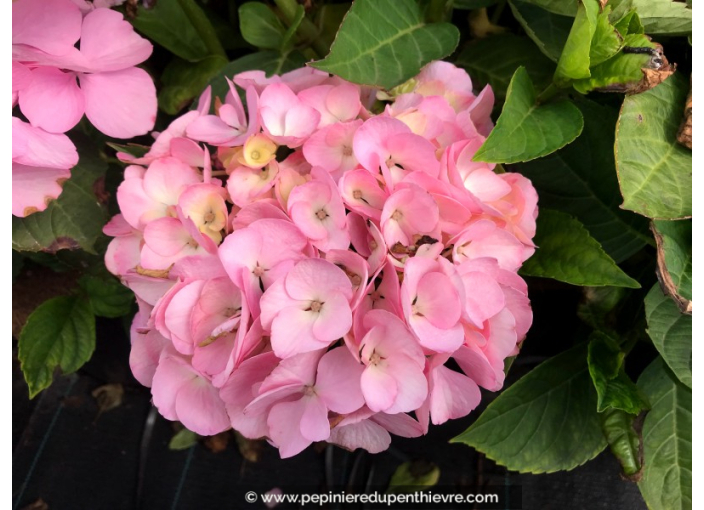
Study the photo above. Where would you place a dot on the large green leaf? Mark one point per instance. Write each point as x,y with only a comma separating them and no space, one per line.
59,333
654,171
614,388
545,422
547,30
674,241
168,25
667,440
574,61
107,296
666,17
260,27
525,130
493,60
271,62
623,440
185,80
671,332
579,179
385,42
607,41
76,218
567,252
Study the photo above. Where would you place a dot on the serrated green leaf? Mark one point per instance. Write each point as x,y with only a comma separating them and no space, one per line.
271,62
671,332
107,296
185,80
674,241
75,219
607,41
414,476
667,440
623,440
59,333
260,27
659,17
167,24
493,60
547,30
386,42
614,388
629,23
526,131
288,38
183,439
579,179
545,422
574,61
566,252
654,170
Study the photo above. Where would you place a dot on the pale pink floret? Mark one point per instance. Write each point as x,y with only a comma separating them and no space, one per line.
432,295
409,214
41,161
393,380
204,205
370,431
484,239
297,80
118,98
331,148
308,309
334,103
246,185
285,118
363,193
123,252
367,241
444,79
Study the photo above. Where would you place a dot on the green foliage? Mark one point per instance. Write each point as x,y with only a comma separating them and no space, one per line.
575,61
260,27
493,60
547,30
107,296
562,7
526,131
675,253
386,42
579,179
623,440
59,333
414,476
666,17
183,81
183,439
671,332
545,422
567,252
667,440
614,388
61,225
654,171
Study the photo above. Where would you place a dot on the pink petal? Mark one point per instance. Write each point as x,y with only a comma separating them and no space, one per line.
121,104
35,147
316,279
314,421
292,333
33,188
52,26
379,387
338,381
453,395
170,376
52,100
200,409
364,434
334,319
285,430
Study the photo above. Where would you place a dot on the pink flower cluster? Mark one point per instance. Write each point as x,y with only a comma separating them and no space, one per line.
315,277
55,83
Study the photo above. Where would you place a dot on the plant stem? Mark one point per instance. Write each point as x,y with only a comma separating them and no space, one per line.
203,26
547,94
306,30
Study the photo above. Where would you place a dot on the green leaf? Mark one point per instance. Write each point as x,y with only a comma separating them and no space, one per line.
562,7
659,17
386,42
414,476
328,19
288,38
107,296
168,25
547,30
260,27
566,252
133,149
607,41
183,439
620,71
271,62
185,80
674,241
493,60
59,333
579,179
671,332
614,388
468,5
545,422
598,305
654,171
623,440
574,61
667,440
74,220
526,131
17,264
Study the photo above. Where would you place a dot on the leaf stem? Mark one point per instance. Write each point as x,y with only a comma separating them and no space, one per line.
203,26
547,94
306,30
